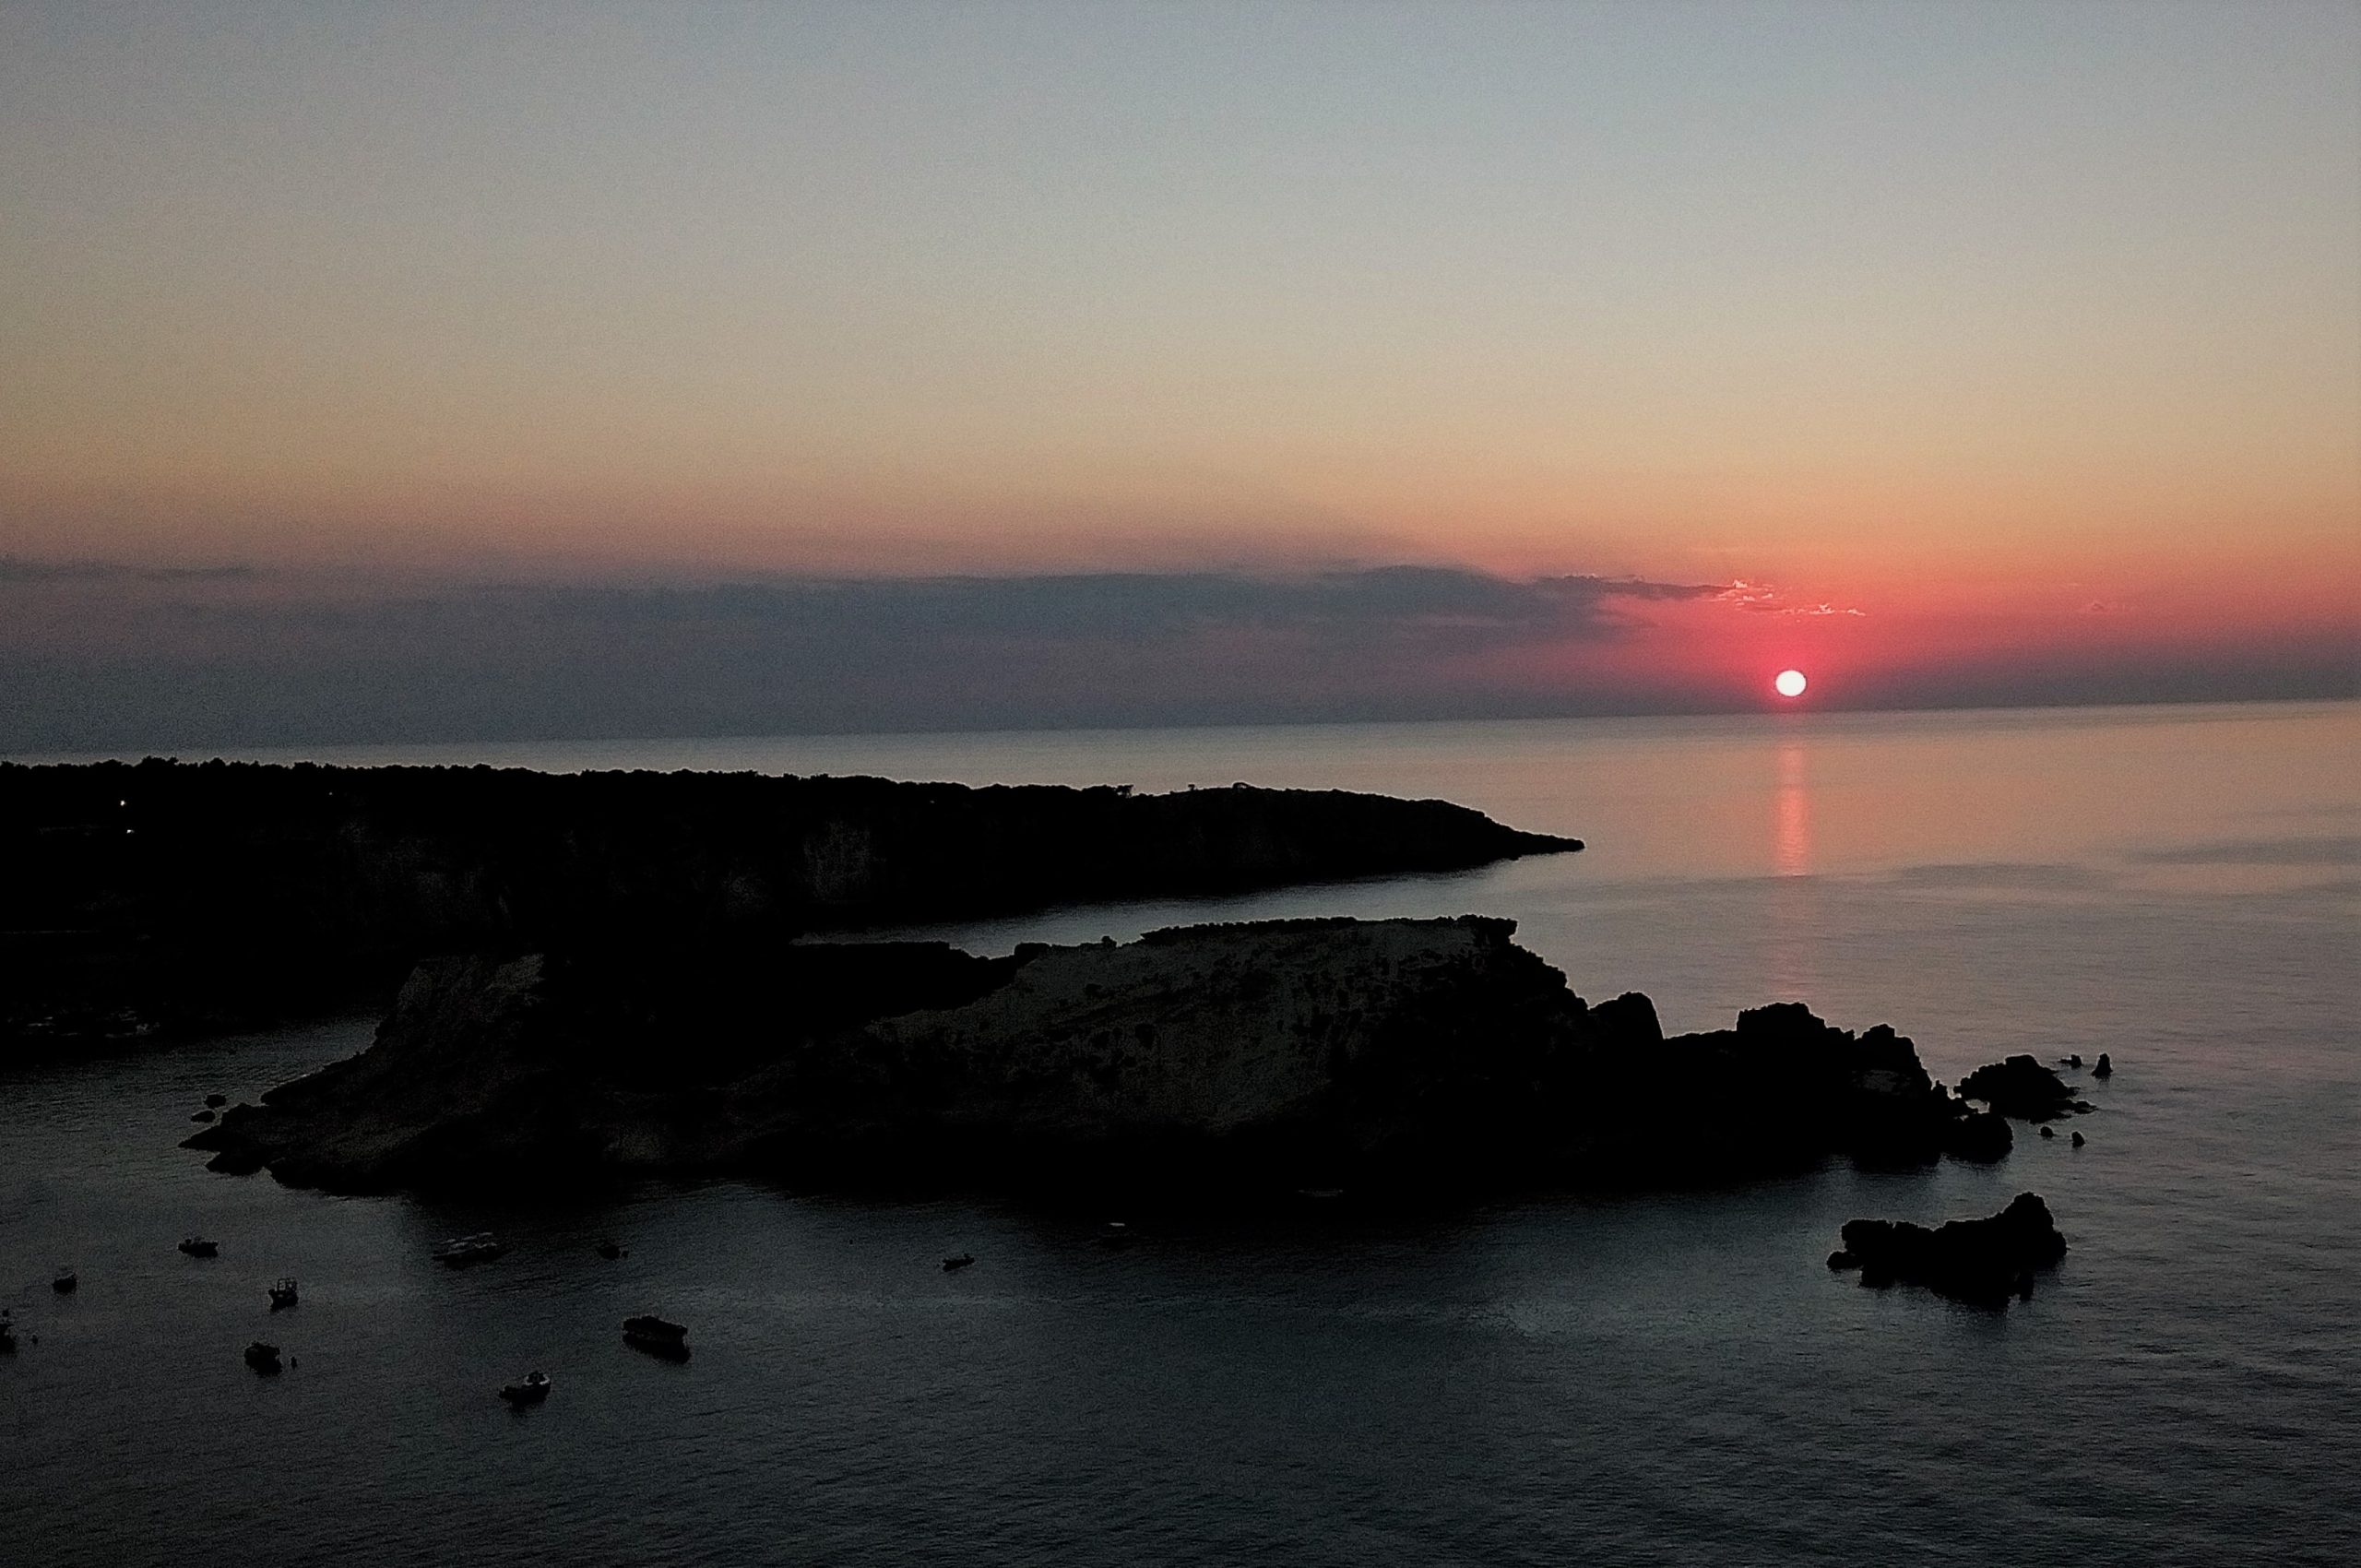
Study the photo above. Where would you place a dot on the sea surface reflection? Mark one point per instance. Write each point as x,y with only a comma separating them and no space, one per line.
1650,1379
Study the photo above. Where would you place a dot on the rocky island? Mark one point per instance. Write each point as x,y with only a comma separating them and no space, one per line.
163,897
1981,1261
2022,1088
1383,1054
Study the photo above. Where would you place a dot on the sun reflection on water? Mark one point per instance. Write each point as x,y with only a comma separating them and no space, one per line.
1791,840
1794,898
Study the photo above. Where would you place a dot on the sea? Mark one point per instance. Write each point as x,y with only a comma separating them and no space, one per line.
1635,1378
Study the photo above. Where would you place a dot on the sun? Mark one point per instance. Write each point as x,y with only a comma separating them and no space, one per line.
1789,682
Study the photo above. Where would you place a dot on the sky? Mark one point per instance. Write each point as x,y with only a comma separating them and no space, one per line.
431,371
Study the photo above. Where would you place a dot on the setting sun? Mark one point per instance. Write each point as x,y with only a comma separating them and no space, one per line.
1789,682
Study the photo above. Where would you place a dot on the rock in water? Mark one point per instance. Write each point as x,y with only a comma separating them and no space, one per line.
1979,1135
2019,1086
1983,1260
1272,1055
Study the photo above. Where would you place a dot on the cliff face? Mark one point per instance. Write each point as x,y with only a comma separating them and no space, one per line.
543,1067
1341,1041
1315,1052
184,896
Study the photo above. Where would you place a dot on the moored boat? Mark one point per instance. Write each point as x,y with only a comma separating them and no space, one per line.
952,1266
262,1358
658,1337
532,1391
283,1293
198,1247
66,1282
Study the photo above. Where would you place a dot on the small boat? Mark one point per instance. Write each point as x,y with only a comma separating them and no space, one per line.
283,1293
607,1250
532,1391
953,1265
66,1282
8,1334
658,1337
262,1358
460,1252
1116,1236
198,1247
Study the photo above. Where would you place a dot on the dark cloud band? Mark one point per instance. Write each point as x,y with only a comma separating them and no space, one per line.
126,657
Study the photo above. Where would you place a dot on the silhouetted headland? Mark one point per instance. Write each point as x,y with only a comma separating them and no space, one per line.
1383,1054
168,896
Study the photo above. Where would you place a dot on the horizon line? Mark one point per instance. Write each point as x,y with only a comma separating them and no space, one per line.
284,753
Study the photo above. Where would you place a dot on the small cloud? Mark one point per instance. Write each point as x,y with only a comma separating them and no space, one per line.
1748,596
1764,600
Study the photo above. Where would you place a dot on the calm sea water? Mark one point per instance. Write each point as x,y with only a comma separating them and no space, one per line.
1674,1380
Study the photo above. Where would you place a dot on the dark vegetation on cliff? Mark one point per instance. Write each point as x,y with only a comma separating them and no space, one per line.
1387,1054
170,896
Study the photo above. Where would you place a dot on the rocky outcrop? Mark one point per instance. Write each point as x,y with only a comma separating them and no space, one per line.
1983,1260
1323,1052
544,1067
1309,1048
160,897
1783,1075
2022,1087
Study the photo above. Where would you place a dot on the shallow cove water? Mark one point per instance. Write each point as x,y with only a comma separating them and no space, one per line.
1655,1378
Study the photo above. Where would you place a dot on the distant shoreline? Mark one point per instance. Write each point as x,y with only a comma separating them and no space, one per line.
514,752
181,898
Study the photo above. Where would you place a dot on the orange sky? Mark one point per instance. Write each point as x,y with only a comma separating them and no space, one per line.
2012,329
